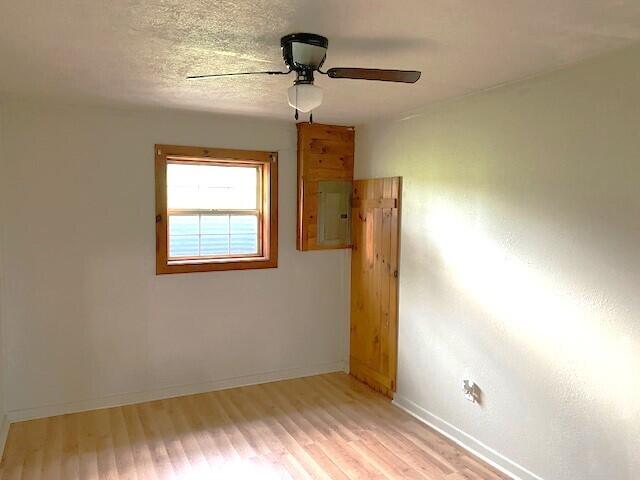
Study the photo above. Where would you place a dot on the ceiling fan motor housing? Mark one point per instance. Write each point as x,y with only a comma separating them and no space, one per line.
304,53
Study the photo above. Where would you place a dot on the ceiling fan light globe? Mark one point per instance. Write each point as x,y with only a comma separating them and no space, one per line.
304,97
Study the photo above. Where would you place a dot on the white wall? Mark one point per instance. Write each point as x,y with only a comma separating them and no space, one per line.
520,267
87,321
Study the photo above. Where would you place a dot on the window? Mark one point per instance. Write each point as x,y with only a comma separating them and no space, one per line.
216,209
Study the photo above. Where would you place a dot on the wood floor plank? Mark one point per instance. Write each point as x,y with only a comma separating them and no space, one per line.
301,418
240,443
193,429
14,452
141,448
256,422
153,414
355,466
186,436
385,461
278,414
288,443
326,427
309,400
70,463
411,455
212,425
160,460
107,468
326,463
51,468
125,464
88,453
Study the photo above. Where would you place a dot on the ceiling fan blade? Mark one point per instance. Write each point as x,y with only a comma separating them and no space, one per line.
191,77
403,76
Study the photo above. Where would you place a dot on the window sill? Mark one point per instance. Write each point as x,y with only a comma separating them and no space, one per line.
218,264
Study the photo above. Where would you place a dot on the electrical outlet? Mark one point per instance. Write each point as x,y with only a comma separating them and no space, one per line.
470,390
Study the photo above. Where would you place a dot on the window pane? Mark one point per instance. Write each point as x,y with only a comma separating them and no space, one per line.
244,244
244,224
183,246
183,225
211,187
214,245
214,224
181,196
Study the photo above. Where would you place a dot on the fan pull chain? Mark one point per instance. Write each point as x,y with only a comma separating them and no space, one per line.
296,115
311,117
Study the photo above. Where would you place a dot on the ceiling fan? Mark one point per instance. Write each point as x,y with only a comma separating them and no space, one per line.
304,54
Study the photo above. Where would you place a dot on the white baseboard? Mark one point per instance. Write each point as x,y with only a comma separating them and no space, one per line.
4,432
174,391
466,441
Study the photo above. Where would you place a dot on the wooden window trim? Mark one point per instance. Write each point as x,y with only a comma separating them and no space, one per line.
267,225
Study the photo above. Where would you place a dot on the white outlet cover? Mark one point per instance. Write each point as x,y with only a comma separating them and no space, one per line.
469,388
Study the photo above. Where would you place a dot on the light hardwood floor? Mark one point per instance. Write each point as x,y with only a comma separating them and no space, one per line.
327,426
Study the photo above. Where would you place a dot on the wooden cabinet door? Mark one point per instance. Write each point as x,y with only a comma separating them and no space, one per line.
374,282
325,153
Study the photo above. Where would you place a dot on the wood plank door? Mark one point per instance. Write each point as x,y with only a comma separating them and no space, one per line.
374,282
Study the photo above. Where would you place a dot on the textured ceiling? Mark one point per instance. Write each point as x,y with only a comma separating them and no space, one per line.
138,52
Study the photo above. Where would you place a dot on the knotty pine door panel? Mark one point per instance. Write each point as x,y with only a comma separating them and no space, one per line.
325,153
374,282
